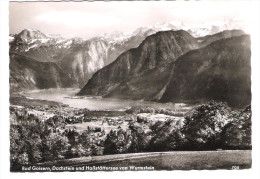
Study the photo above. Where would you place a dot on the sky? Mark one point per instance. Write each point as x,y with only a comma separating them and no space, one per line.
87,19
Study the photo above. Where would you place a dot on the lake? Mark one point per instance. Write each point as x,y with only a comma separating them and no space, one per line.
67,96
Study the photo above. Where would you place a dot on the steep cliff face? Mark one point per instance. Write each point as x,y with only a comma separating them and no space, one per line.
156,50
28,74
219,71
84,61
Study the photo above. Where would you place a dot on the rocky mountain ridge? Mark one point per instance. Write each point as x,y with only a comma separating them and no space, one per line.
80,58
154,70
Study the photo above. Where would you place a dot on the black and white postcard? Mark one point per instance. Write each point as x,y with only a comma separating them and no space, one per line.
130,86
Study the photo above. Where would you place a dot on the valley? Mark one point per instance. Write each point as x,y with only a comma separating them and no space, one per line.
93,112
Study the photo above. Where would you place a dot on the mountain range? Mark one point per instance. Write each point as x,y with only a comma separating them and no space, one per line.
174,66
160,63
81,58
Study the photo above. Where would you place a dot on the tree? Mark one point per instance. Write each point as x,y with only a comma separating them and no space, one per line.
117,142
166,136
237,135
55,146
18,155
139,138
203,128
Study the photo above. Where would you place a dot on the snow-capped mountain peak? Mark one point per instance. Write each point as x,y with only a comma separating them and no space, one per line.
115,37
31,34
29,39
140,31
164,27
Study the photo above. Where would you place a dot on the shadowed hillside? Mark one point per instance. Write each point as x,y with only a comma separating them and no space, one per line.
28,74
220,71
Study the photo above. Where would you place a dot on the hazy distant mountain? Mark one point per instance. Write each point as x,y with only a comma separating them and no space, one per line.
174,66
198,30
206,40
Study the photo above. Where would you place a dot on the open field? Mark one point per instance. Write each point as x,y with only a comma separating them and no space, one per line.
96,124
177,160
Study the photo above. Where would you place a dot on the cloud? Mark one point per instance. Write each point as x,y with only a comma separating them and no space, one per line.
210,11
87,19
78,19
